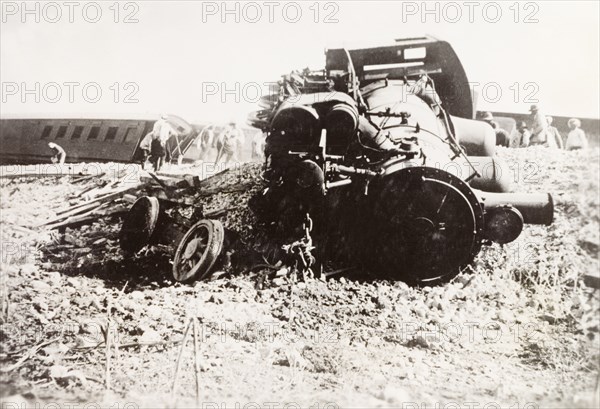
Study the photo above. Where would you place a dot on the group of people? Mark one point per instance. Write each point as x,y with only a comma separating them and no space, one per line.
227,146
224,146
539,132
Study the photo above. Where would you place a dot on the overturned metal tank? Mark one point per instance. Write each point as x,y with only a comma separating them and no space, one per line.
381,150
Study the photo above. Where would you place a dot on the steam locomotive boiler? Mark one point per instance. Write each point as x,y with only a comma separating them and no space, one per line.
380,154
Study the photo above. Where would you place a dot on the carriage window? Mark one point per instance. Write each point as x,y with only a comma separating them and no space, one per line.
94,132
129,133
62,131
46,132
77,132
415,53
111,134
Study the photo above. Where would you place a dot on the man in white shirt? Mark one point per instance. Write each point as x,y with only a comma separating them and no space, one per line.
162,132
59,153
576,138
539,127
163,129
554,139
230,143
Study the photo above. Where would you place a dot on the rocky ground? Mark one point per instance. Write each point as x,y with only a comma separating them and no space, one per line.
518,329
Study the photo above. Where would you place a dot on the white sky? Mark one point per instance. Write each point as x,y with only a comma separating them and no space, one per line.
171,52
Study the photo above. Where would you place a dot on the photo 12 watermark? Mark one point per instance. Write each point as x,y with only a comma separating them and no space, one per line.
490,92
270,12
53,12
14,251
470,12
70,92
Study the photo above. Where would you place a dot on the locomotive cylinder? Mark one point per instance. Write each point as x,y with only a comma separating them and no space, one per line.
536,208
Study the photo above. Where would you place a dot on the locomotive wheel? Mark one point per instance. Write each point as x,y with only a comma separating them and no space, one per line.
198,250
428,223
139,224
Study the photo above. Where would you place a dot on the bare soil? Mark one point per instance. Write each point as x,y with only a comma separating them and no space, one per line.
519,328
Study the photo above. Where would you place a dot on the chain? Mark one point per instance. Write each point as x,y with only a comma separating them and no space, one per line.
302,249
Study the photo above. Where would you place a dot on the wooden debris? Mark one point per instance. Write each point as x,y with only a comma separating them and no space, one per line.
21,229
178,364
106,198
218,212
166,182
592,280
28,355
87,208
192,180
88,217
160,182
214,179
129,198
86,178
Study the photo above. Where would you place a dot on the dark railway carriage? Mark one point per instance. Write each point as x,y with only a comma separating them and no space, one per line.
84,140
25,140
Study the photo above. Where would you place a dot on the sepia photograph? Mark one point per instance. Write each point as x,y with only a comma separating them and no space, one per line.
300,204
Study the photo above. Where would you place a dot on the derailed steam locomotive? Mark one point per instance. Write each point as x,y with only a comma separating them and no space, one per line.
381,152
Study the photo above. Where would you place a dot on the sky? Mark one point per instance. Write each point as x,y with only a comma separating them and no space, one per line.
209,61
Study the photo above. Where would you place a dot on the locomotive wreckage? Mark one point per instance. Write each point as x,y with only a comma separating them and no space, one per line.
374,162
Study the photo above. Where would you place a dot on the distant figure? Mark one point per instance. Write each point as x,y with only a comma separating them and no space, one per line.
145,148
489,118
163,131
576,138
539,127
229,144
520,136
160,124
502,137
158,152
554,139
59,153
206,143
258,146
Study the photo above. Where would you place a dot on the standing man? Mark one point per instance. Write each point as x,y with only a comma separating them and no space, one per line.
554,139
158,125
520,136
502,137
206,142
576,138
539,127
489,118
162,131
145,147
59,154
230,143
158,152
